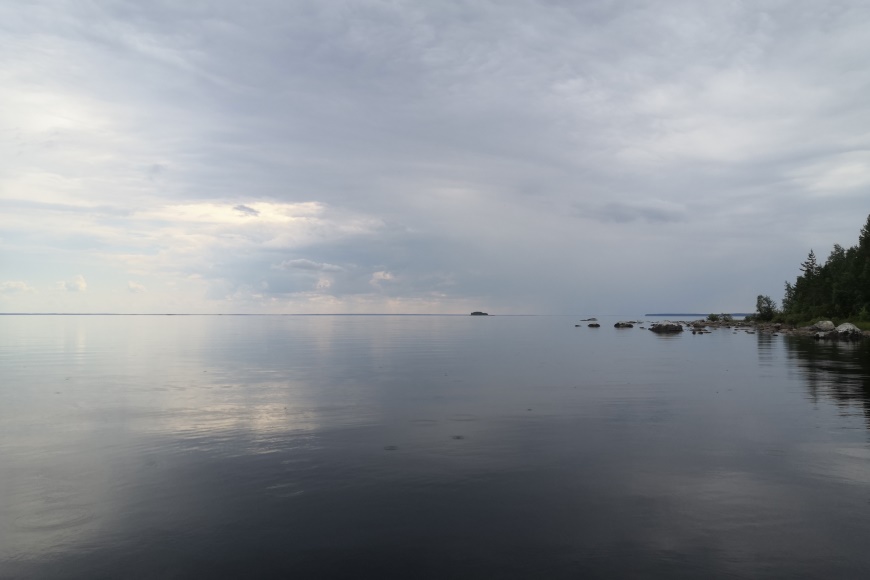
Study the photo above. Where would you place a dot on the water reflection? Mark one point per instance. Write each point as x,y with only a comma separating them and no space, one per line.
768,346
434,447
836,370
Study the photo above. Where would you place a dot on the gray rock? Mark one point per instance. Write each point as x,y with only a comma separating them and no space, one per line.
594,325
666,326
623,324
824,325
848,331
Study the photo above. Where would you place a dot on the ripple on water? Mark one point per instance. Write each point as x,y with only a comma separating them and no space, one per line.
464,417
54,519
425,422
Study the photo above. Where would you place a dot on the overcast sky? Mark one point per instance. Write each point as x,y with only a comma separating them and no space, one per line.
388,156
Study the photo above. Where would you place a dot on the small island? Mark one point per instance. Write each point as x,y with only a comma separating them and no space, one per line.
479,313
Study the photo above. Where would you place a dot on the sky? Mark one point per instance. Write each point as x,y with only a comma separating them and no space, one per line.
376,156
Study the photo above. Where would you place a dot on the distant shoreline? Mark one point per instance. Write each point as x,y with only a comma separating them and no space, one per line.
696,314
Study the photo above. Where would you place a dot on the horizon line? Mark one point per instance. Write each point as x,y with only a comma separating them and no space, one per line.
325,314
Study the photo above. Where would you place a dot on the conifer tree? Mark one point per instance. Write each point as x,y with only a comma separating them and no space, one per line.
839,288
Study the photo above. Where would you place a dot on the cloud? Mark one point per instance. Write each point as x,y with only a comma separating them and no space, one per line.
136,287
15,287
218,213
381,276
249,211
653,211
304,264
77,284
834,175
442,142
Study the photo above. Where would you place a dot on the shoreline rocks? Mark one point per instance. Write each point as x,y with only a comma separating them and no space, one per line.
844,332
666,327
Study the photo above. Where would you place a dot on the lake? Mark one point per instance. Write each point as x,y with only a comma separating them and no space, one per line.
427,447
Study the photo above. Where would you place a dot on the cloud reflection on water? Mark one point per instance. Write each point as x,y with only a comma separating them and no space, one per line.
222,447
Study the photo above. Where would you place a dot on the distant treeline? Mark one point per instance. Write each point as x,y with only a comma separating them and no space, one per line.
839,288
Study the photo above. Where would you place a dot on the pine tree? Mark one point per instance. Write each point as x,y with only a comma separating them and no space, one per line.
839,288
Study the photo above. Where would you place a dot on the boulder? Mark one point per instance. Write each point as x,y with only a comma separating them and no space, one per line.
594,325
623,324
824,326
666,326
849,330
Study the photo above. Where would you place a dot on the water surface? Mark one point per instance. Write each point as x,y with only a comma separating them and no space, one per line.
429,447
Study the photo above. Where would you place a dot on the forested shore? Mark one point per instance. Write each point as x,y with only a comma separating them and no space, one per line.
838,289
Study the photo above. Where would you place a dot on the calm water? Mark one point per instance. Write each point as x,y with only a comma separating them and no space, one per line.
426,447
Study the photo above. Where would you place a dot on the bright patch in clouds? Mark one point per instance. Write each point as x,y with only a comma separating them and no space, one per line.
14,287
303,264
247,214
77,284
379,277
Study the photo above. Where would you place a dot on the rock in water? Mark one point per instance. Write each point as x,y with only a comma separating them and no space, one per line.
594,325
623,324
666,326
824,325
849,330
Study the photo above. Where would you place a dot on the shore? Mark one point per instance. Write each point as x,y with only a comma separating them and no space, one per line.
775,328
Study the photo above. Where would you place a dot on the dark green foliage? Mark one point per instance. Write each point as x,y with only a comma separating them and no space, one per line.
839,288
713,317
765,308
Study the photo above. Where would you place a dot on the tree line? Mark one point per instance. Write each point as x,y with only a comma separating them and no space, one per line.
839,288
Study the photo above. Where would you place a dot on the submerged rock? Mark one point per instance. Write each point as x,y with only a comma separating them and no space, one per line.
666,326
